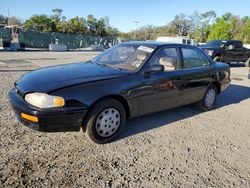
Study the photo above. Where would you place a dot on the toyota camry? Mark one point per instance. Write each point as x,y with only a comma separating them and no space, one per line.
128,80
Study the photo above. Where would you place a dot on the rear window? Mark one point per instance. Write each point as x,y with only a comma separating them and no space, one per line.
193,58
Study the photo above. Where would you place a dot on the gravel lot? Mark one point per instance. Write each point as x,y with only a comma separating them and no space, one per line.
176,148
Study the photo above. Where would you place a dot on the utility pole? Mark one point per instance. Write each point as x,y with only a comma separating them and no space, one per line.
8,17
136,22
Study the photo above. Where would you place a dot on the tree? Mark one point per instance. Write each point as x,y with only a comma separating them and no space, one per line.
77,25
57,15
92,24
14,21
221,30
207,19
180,26
101,27
3,19
245,30
40,23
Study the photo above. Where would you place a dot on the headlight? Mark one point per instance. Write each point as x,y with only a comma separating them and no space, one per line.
42,100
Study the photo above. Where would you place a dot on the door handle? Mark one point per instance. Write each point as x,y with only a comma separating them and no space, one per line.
180,82
181,78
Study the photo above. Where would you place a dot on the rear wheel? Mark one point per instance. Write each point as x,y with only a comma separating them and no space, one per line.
105,121
209,99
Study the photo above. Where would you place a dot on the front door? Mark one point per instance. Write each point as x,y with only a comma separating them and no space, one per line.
160,90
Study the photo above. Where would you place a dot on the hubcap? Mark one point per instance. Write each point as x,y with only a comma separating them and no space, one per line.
108,122
210,98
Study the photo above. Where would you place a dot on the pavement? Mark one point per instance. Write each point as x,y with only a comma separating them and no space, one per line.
182,147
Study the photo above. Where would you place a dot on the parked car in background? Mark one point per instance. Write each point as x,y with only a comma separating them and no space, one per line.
177,40
128,80
228,51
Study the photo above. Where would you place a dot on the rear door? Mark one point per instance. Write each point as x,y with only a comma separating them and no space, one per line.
239,52
229,52
197,74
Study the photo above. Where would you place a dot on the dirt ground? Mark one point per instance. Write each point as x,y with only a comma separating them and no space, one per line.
176,148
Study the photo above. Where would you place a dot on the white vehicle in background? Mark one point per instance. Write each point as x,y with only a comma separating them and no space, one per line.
246,46
178,40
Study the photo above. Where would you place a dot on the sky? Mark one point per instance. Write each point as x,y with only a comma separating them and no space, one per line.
123,13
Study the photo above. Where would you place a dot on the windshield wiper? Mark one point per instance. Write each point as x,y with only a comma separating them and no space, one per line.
91,61
109,65
104,64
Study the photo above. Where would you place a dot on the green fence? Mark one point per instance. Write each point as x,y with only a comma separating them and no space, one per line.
5,36
42,40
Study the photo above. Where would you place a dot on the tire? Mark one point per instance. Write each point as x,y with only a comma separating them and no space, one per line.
217,59
248,62
207,104
105,121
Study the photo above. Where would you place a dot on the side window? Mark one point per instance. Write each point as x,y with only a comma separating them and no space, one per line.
193,58
229,46
238,45
166,57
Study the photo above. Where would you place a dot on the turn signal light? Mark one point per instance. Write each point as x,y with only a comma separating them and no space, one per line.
29,117
58,102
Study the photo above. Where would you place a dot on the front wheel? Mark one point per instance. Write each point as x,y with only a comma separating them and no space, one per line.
217,59
248,62
209,99
105,121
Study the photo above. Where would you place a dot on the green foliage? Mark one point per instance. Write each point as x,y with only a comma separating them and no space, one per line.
229,26
77,25
199,26
3,19
195,26
39,23
246,30
220,30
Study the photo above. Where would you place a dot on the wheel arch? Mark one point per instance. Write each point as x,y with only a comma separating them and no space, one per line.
217,54
119,98
217,85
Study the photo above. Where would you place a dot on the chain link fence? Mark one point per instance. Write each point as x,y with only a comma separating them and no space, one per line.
33,39
5,37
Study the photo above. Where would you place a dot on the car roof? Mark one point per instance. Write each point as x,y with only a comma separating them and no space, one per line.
153,43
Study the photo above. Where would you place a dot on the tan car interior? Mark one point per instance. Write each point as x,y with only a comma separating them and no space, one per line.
168,63
139,59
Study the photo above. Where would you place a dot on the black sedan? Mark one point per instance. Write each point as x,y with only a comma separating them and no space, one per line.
128,80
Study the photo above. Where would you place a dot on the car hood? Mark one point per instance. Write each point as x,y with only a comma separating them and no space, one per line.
56,77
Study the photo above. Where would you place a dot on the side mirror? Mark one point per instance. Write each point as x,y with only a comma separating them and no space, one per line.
154,69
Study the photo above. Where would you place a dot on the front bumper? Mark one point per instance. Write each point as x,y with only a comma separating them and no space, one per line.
49,120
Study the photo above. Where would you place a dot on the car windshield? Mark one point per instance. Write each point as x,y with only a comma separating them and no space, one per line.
125,56
215,43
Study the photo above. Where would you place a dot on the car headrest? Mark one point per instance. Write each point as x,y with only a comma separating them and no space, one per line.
141,57
166,61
